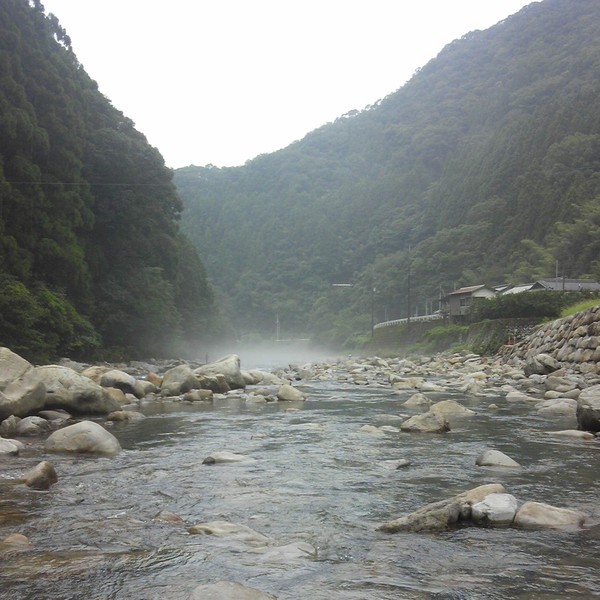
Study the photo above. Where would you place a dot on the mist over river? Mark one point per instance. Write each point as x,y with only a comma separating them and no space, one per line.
315,480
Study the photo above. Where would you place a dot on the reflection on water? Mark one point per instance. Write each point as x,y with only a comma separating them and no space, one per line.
316,479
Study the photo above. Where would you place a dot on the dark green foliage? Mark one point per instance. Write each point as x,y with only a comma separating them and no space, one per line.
90,252
528,305
484,167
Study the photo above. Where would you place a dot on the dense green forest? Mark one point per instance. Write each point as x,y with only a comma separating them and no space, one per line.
92,261
483,168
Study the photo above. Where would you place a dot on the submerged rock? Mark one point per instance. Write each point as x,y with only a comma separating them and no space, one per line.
226,457
225,529
228,590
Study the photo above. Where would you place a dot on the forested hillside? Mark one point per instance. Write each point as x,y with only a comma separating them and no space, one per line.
484,167
91,257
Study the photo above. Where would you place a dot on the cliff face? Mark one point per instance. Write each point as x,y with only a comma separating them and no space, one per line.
574,340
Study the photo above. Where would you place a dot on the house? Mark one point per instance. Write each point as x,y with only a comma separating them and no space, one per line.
562,284
459,302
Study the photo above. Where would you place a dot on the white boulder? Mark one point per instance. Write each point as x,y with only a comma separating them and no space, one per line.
83,437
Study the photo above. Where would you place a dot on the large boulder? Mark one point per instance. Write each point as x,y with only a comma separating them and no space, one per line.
84,437
429,422
22,396
122,381
588,409
12,366
540,364
229,367
179,380
67,389
540,515
439,515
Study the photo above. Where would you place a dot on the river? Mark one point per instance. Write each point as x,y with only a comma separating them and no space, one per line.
316,478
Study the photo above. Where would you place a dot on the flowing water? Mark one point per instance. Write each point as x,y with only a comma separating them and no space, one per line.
317,479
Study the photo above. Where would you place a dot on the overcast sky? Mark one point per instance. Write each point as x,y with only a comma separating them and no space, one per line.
222,81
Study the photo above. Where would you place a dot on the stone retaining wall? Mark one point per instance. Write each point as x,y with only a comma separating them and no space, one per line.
573,340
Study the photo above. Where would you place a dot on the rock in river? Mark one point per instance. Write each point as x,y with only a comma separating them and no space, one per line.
540,515
228,590
429,422
83,437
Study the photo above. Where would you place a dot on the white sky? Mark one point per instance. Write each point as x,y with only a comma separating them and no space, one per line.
222,81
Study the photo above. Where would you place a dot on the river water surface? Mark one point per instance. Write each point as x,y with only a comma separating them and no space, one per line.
316,478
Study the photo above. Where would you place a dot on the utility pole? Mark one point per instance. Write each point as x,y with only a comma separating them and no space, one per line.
408,292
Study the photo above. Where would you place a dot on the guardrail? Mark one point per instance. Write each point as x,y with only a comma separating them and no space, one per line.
405,320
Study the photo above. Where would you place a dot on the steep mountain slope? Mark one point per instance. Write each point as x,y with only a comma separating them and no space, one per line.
485,166
91,257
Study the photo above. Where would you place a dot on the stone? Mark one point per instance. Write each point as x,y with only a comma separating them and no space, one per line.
429,422
541,364
41,477
287,553
557,407
288,393
573,433
14,543
9,425
8,448
12,366
179,380
440,515
164,516
496,509
22,396
371,429
226,457
540,515
32,426
83,437
418,399
122,381
95,373
228,590
451,408
55,416
559,384
67,389
588,409
198,396
495,458
233,531
516,396
125,415
229,367
266,378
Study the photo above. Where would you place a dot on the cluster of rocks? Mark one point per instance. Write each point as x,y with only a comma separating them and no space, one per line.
489,505
35,400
